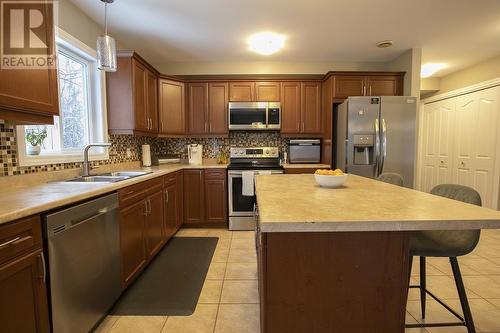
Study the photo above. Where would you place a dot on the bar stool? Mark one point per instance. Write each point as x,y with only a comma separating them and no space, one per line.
391,178
446,243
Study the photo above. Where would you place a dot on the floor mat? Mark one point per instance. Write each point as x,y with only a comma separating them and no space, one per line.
171,284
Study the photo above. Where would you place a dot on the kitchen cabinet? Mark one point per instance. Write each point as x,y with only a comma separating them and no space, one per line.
241,91
172,114
194,196
208,108
30,96
132,93
180,199
171,205
23,305
301,108
215,196
155,226
267,91
367,84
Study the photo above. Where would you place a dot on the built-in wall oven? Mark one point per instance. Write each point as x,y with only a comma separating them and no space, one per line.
259,160
254,116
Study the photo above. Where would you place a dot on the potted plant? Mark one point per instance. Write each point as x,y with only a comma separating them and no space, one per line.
35,138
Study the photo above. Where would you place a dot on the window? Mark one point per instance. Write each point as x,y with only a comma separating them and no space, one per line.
82,109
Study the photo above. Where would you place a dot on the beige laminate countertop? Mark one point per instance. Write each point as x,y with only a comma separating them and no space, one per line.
295,203
21,201
306,166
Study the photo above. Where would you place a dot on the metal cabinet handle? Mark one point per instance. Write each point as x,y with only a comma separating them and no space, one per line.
145,208
166,193
370,89
10,242
161,126
44,278
210,127
364,89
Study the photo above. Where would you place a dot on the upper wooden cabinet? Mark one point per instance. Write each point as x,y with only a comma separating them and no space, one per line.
172,114
301,108
366,84
241,91
30,96
254,91
267,91
208,108
132,97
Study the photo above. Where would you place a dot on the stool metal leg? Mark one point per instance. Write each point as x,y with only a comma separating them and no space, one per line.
469,322
423,285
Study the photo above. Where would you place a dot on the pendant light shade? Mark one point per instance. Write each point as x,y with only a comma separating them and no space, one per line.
106,46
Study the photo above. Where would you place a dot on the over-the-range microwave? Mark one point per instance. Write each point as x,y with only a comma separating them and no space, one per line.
254,116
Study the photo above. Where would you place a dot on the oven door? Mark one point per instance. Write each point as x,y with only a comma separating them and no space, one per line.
248,116
239,204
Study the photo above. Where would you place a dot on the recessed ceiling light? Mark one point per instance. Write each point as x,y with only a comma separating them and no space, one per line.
430,69
384,43
266,43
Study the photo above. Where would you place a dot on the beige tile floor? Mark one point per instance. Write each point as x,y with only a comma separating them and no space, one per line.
229,299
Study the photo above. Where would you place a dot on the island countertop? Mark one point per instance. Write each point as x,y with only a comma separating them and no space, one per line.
295,203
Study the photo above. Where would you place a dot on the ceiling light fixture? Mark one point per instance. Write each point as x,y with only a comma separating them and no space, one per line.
106,46
384,43
430,69
266,43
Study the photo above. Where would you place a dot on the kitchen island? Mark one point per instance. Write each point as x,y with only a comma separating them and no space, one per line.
336,260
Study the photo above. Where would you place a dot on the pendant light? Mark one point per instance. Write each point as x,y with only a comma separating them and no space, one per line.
106,46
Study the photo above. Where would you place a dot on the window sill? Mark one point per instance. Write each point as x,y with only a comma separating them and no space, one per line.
45,159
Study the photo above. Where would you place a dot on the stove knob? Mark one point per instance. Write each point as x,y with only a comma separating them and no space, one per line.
267,152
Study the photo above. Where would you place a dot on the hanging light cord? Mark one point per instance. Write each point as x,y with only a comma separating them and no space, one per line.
105,18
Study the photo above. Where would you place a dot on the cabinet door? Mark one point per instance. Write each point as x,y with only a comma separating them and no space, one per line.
139,91
171,212
171,107
23,305
132,241
267,91
241,91
180,199
348,85
383,85
290,108
216,200
198,108
194,197
218,94
311,107
152,101
31,90
155,231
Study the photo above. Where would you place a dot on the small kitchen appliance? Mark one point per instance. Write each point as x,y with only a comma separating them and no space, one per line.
195,154
305,151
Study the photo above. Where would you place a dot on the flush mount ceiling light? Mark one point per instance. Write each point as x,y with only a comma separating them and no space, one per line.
384,43
430,69
266,43
106,46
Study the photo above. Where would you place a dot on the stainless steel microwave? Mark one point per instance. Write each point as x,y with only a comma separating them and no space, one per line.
254,116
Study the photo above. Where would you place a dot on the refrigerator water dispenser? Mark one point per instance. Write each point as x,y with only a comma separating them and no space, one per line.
363,149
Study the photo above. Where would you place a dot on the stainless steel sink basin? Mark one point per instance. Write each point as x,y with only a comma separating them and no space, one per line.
110,177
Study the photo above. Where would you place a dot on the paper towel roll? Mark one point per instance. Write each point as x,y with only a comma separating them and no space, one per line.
146,155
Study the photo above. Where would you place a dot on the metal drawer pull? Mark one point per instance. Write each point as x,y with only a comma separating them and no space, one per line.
100,212
166,193
12,241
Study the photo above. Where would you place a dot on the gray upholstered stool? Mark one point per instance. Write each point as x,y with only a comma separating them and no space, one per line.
391,178
451,244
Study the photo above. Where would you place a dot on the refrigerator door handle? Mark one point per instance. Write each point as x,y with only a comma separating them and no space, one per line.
384,145
377,147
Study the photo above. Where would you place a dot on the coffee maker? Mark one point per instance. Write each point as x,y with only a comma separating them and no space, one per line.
195,153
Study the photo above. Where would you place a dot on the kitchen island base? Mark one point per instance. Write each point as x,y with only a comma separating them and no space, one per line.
317,282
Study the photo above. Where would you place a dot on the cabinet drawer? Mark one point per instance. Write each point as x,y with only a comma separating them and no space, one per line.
170,179
134,193
215,174
20,237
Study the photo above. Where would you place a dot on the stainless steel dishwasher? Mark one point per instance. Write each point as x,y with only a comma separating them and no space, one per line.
84,263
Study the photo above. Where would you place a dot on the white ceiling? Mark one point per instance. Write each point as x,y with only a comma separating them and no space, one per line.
456,32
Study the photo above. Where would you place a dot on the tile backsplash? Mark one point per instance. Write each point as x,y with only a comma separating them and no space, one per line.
120,143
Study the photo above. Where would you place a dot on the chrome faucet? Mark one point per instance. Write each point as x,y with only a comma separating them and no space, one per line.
86,165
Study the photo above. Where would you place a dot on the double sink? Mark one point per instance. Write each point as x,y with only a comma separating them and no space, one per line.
110,177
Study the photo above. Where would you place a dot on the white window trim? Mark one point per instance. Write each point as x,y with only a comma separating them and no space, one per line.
99,128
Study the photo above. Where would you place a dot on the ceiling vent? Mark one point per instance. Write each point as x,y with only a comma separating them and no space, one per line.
384,43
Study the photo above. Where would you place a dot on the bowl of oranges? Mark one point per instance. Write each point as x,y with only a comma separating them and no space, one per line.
330,178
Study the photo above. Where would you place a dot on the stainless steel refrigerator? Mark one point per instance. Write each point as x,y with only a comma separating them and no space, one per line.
375,135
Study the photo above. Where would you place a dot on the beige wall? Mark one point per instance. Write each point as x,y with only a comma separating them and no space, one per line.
262,67
409,62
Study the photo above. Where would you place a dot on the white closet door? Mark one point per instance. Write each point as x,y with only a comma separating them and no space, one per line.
475,142
446,116
430,146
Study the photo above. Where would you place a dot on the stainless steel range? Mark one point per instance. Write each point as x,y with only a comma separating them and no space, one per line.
256,160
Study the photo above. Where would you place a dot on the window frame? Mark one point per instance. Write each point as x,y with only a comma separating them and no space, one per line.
97,112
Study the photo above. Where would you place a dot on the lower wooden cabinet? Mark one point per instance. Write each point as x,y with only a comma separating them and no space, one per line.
171,203
23,300
205,196
155,227
180,199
